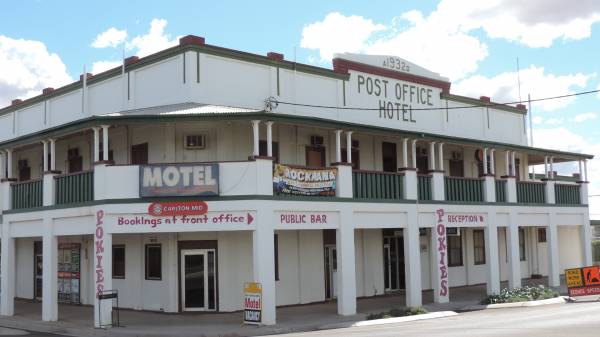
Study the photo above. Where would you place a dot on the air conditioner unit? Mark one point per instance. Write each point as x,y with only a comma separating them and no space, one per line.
452,231
457,155
316,140
195,142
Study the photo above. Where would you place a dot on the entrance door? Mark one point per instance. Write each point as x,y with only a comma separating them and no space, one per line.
330,272
198,280
38,265
393,262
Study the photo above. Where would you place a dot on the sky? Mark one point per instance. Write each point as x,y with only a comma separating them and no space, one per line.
476,44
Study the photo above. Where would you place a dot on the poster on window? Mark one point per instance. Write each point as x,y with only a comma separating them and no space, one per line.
69,275
304,181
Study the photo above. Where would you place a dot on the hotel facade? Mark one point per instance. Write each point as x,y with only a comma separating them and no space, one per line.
180,176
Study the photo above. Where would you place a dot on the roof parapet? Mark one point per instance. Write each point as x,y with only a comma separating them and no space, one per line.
275,56
192,40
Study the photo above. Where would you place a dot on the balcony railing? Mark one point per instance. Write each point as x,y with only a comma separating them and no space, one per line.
74,188
463,189
27,194
424,187
377,185
567,194
501,191
531,192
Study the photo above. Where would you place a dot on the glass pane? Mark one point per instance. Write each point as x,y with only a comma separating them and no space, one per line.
211,280
194,281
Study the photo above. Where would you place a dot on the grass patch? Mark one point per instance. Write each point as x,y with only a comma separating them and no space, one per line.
523,294
397,313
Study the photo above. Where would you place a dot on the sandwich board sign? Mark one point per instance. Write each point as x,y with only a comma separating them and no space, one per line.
252,303
583,281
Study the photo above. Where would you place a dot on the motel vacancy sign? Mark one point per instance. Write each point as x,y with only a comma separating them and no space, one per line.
252,303
179,179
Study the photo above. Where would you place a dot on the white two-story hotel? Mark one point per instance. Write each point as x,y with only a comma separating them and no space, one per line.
182,175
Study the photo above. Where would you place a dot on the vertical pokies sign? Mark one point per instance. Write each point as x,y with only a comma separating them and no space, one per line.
99,252
440,228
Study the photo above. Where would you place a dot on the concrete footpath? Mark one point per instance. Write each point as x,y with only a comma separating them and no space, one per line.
77,320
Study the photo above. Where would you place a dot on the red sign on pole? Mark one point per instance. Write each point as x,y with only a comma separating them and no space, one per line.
177,208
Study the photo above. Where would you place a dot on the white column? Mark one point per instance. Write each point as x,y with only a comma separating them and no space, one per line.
269,138
506,163
9,163
552,167
96,131
439,259
346,274
586,240
485,166
102,271
412,261
263,261
580,171
8,272
255,137
2,164
441,156
432,156
348,146
491,254
513,164
492,169
585,172
553,262
546,167
414,153
405,152
514,259
49,276
45,159
52,154
338,146
105,142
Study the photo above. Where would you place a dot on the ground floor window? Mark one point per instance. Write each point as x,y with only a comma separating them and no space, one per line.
522,244
541,234
455,258
479,246
118,262
153,262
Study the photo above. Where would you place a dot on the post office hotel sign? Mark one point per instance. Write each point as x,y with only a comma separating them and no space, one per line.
179,179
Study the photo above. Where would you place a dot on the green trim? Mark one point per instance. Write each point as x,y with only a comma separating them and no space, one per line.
595,222
481,104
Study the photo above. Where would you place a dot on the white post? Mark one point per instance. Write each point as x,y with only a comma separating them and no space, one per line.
485,166
255,134
346,274
52,154
414,154
348,146
514,259
432,156
580,171
105,143
338,146
2,164
405,152
441,156
96,131
263,262
586,240
552,167
7,270
513,164
412,258
269,138
491,254
439,259
49,276
9,163
102,271
45,159
492,169
506,163
585,171
546,167
553,264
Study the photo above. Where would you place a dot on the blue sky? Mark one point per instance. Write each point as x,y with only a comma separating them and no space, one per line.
475,44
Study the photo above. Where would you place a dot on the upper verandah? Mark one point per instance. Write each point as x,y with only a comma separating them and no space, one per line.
356,90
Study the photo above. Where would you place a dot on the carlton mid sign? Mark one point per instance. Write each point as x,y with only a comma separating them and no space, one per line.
179,179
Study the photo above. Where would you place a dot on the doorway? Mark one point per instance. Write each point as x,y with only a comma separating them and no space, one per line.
393,261
198,280
330,272
38,265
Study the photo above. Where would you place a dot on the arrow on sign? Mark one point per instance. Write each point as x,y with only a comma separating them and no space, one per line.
250,218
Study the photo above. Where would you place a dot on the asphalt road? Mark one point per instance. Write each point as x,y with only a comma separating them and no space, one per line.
570,319
13,332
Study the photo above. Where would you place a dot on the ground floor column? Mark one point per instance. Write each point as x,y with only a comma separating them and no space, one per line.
412,262
491,253
49,276
102,272
439,259
553,263
514,260
585,232
7,273
346,269
263,259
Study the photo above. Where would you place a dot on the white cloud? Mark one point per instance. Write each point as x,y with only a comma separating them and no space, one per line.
155,40
584,117
537,120
534,80
101,66
27,67
554,121
110,38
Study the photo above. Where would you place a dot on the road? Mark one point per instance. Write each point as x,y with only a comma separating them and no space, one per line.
6,332
572,319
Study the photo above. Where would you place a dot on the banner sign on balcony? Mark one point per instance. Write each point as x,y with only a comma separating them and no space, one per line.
177,208
252,303
179,179
304,181
583,281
